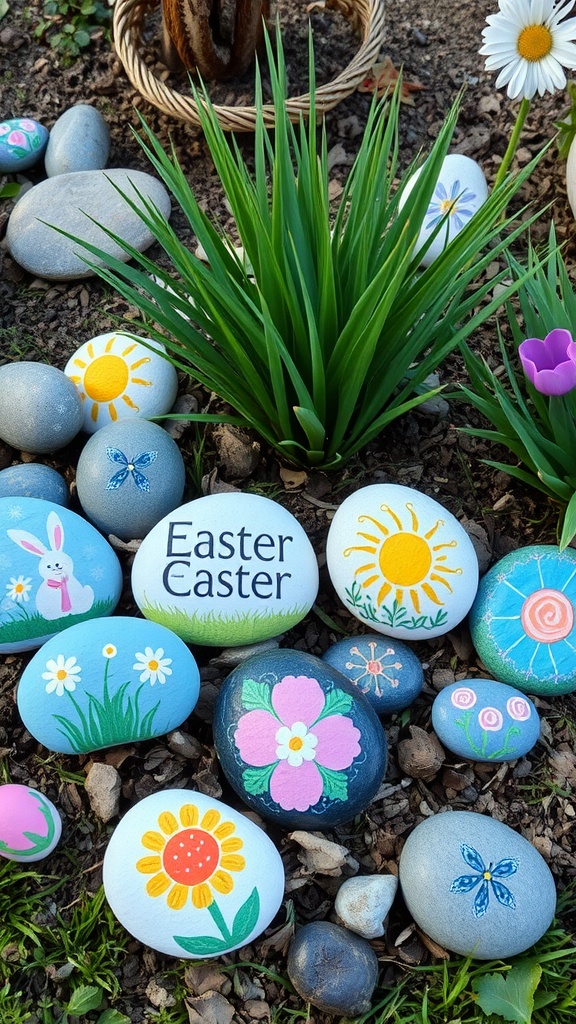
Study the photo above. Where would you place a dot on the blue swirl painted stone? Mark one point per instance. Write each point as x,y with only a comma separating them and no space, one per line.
55,570
106,682
485,720
298,741
476,886
386,671
522,621
34,480
22,143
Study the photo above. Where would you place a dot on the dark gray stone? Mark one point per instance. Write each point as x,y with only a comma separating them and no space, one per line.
333,969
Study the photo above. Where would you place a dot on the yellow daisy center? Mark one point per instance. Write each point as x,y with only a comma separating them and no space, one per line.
534,42
487,875
405,559
61,674
153,665
296,743
106,378
19,588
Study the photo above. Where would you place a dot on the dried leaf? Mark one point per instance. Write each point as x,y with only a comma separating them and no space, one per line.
383,77
209,1008
321,855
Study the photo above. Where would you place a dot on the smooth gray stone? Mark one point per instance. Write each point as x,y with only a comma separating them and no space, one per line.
79,141
67,202
332,968
40,408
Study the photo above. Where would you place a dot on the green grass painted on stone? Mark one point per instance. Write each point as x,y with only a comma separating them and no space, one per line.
33,625
215,629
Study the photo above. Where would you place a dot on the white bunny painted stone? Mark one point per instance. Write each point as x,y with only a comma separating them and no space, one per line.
55,570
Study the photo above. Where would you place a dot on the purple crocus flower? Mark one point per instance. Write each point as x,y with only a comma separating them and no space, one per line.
550,365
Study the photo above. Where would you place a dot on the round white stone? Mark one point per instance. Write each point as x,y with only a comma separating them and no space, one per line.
460,191
191,877
362,903
401,563
119,377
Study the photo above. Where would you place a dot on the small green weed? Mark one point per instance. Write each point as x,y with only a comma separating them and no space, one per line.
68,25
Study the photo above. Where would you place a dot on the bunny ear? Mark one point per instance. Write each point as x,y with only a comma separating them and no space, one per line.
55,531
27,541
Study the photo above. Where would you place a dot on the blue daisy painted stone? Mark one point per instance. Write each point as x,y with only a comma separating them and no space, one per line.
522,621
476,886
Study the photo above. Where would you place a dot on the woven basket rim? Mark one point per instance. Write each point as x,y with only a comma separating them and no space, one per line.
129,18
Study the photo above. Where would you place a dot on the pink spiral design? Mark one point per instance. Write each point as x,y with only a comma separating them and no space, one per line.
547,616
518,708
490,719
463,697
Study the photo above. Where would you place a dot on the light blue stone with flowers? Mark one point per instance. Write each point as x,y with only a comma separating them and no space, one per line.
484,720
476,886
107,682
385,670
22,144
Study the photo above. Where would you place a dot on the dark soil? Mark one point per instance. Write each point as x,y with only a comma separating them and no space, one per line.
438,45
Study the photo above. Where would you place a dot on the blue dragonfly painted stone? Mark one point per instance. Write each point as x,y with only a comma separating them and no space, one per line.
488,878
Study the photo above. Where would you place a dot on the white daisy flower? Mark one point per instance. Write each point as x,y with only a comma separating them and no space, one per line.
295,744
152,665
63,674
109,651
18,588
531,44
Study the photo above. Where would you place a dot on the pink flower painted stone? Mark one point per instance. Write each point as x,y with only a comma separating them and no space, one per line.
30,825
485,720
22,144
297,740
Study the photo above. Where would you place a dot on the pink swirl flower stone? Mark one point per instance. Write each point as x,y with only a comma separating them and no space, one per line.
490,719
26,125
463,698
518,709
550,365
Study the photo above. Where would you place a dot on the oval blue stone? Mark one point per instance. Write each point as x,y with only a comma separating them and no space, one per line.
22,144
385,670
485,720
34,480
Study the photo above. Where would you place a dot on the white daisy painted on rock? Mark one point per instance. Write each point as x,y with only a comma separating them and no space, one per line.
63,674
295,744
19,588
530,42
152,665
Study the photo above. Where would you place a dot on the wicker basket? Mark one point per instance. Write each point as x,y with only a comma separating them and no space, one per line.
367,16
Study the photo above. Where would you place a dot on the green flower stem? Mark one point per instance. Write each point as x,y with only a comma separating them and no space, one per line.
512,145
41,843
219,921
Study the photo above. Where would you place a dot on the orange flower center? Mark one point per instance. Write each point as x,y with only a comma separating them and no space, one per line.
153,665
61,674
296,743
534,42
374,667
191,856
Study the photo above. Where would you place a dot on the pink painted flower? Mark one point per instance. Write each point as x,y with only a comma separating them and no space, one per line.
300,737
4,128
518,708
490,719
463,697
16,138
26,125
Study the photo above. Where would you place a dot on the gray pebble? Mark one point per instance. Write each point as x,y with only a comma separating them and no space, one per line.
79,141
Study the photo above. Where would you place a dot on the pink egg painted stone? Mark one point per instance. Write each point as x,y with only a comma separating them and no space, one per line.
30,826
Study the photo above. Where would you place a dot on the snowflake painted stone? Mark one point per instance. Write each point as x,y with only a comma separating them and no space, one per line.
522,621
485,720
297,740
400,562
476,886
30,826
34,480
40,409
388,673
190,877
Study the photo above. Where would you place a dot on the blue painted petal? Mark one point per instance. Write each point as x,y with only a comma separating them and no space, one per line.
146,459
435,221
117,480
482,900
464,883
141,481
505,868
440,192
457,221
472,857
503,894
455,190
115,455
467,196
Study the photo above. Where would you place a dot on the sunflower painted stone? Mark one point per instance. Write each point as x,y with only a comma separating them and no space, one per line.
55,570
34,480
30,826
22,144
129,476
190,877
298,741
388,674
119,377
226,570
40,409
106,682
401,563
522,621
476,886
485,720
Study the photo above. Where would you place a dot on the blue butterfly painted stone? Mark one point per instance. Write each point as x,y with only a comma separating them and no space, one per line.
130,468
488,878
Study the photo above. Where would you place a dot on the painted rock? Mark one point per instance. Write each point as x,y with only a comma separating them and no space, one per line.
40,410
30,826
522,621
297,741
332,968
190,877
388,674
57,570
79,141
22,143
460,191
485,720
106,682
129,476
82,203
401,562
226,570
362,903
118,377
34,480
476,886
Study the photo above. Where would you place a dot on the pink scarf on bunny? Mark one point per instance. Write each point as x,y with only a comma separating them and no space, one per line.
61,585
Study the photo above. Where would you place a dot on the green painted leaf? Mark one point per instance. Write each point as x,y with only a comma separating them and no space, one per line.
335,783
256,696
201,945
85,998
337,703
257,780
246,918
510,995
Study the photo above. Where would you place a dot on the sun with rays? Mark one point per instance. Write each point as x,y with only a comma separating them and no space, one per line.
405,562
108,374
